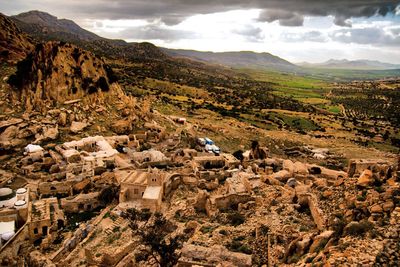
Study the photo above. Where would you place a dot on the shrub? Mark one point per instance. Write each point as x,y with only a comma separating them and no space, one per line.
358,228
207,229
237,246
236,218
223,232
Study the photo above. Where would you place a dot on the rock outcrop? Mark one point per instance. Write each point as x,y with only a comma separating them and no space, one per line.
56,73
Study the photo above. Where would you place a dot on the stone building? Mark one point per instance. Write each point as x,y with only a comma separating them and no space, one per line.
208,162
13,211
140,189
90,148
237,189
45,216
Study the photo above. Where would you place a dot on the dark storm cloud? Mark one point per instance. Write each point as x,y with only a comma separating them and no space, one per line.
288,12
286,18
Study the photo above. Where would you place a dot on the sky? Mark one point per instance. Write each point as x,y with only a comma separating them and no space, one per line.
296,30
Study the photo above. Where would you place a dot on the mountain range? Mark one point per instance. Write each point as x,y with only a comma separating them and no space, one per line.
240,59
361,64
45,27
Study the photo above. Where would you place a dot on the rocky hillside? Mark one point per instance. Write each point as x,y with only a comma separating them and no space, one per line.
45,27
58,72
44,24
242,59
14,45
60,90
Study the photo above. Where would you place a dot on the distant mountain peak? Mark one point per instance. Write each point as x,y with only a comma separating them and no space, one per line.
33,20
36,16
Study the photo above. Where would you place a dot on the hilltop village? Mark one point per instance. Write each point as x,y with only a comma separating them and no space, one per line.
92,176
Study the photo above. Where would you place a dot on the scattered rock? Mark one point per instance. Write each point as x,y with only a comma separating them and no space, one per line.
62,119
76,126
320,241
122,126
365,178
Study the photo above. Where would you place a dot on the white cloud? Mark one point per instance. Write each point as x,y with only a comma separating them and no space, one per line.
317,40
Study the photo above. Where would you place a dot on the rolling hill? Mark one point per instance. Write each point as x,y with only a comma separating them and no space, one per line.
241,59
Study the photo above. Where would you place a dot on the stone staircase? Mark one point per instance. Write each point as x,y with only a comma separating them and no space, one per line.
117,223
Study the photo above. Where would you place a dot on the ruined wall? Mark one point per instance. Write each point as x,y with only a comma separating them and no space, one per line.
171,183
10,251
356,167
229,201
52,188
152,204
85,202
7,215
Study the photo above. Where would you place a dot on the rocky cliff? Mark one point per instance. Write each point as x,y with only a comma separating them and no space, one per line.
55,73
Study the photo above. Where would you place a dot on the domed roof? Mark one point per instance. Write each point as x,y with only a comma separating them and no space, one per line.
20,203
21,190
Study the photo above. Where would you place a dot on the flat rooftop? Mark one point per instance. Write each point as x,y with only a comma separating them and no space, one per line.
152,192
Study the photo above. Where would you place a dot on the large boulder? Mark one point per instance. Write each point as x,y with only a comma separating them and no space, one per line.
9,133
201,200
50,133
288,166
300,168
281,176
62,119
365,179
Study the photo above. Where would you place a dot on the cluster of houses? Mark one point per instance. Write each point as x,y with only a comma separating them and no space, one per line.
70,178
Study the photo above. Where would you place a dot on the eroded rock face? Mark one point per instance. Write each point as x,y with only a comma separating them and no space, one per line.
56,72
14,45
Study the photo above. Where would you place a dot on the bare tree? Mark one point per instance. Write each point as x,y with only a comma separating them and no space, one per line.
156,233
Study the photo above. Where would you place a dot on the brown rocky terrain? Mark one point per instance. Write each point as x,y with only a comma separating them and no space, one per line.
14,45
77,153
58,88
58,72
